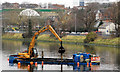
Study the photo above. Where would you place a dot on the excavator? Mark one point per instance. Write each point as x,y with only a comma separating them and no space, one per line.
32,54
32,51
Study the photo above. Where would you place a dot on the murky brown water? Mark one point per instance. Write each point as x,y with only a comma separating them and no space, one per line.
110,56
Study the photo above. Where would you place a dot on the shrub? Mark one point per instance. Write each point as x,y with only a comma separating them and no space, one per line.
90,37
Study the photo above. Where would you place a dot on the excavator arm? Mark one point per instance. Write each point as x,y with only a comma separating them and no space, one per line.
48,27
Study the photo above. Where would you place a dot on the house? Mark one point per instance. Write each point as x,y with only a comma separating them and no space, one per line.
56,6
80,7
7,5
98,15
107,28
15,5
28,5
103,15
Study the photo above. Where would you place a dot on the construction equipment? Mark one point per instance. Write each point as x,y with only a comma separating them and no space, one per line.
15,28
32,56
77,60
86,58
32,52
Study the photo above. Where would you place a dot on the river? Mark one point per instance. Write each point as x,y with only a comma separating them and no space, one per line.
109,55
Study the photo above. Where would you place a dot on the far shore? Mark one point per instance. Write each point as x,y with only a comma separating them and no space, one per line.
70,39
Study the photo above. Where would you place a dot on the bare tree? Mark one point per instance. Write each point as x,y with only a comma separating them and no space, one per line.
10,18
86,17
62,21
114,14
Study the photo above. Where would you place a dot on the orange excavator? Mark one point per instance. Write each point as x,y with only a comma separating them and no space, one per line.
32,52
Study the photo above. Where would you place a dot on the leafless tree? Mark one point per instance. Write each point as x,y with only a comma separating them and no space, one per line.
86,17
114,13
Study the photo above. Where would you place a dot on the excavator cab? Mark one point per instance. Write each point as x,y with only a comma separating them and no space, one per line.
34,53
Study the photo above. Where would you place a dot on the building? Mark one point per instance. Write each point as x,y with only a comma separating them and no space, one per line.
15,5
107,28
101,15
98,15
7,5
81,3
29,12
45,5
28,6
56,6
81,7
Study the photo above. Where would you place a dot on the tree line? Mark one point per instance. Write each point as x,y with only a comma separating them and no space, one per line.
84,19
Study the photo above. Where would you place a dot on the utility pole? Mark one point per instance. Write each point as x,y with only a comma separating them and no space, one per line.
75,22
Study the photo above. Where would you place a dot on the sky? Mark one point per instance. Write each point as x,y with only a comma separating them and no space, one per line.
65,2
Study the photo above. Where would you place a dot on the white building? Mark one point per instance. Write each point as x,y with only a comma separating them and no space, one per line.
98,15
107,27
29,12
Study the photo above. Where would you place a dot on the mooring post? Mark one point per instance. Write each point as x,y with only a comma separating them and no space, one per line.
61,51
61,57
61,68
42,54
42,67
61,60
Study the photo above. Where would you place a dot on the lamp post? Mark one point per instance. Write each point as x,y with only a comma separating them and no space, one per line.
75,22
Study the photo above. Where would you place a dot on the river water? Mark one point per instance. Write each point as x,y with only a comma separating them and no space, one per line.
110,56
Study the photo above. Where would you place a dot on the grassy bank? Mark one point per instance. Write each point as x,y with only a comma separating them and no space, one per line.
111,41
66,39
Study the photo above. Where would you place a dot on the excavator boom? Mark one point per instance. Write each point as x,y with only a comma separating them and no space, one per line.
48,27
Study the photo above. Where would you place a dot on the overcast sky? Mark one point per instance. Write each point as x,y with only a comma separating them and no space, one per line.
66,2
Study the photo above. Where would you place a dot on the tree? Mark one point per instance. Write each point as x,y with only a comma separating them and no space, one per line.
10,19
86,17
61,21
114,14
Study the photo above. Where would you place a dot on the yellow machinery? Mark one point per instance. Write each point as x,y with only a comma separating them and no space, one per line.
15,28
32,52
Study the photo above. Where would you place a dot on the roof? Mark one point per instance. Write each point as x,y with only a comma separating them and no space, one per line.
105,24
58,5
29,12
97,24
38,10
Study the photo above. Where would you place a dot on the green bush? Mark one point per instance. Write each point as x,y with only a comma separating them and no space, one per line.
90,37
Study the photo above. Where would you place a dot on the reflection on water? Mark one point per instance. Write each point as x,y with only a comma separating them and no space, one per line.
32,68
90,49
26,42
109,55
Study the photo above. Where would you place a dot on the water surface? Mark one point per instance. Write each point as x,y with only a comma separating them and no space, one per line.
110,56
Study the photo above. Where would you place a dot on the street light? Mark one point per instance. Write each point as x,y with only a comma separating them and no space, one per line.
75,22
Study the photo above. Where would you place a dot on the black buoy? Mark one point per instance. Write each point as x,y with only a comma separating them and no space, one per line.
61,49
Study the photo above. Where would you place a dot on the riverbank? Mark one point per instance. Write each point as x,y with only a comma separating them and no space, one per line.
66,39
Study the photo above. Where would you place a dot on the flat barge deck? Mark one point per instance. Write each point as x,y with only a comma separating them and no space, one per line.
15,59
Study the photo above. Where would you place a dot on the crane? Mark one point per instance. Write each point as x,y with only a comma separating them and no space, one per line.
32,52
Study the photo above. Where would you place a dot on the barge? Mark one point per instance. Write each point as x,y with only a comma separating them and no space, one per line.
80,58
